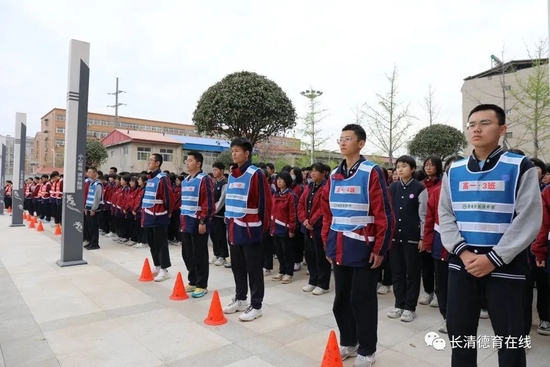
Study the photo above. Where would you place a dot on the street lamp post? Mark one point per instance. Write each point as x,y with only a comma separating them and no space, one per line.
117,103
498,62
312,94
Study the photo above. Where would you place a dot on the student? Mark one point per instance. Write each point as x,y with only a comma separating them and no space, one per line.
247,213
141,236
113,187
433,168
45,215
434,247
197,209
298,239
357,228
409,199
385,280
122,205
8,190
174,236
94,201
155,216
540,250
36,196
27,204
56,197
489,212
284,219
310,216
219,229
268,247
129,212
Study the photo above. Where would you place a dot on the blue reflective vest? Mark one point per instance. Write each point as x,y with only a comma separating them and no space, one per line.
349,200
91,193
150,194
484,202
190,192
236,197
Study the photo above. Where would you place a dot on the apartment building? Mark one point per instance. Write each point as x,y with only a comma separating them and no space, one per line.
50,141
30,163
500,85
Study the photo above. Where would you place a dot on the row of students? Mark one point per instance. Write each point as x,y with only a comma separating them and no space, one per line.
8,191
43,197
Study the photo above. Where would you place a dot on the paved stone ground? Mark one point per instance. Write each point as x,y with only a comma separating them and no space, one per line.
100,315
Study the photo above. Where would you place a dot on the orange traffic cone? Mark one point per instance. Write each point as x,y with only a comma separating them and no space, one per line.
57,230
35,219
146,274
9,209
215,314
332,356
24,215
179,294
40,227
31,225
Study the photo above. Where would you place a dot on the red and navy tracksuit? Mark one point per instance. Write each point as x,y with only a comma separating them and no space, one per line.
155,216
284,223
540,252
310,209
350,237
434,247
428,270
197,207
247,213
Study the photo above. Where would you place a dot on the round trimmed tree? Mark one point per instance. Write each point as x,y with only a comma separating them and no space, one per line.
438,139
244,104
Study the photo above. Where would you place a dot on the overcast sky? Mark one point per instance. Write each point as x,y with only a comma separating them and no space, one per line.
167,52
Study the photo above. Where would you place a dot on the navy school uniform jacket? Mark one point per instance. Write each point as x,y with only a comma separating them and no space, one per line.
409,206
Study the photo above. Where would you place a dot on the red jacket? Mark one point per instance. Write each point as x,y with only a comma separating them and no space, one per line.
284,213
298,189
540,246
136,204
7,190
45,190
177,199
341,248
316,214
36,191
431,184
432,239
130,199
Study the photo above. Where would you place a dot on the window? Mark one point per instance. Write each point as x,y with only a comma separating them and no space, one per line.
507,87
60,142
124,150
90,133
60,130
509,134
112,153
143,153
60,117
167,154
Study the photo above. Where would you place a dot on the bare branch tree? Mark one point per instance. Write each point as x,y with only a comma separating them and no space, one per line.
310,128
432,108
532,95
388,124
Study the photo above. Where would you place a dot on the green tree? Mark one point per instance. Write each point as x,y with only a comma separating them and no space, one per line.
438,139
226,158
244,104
96,153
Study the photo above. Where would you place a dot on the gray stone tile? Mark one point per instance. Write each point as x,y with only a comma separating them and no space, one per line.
258,344
18,328
24,351
234,331
8,312
283,357
327,320
134,310
218,357
297,331
12,297
73,321
47,363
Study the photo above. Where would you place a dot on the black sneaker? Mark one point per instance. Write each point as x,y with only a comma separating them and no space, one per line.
96,247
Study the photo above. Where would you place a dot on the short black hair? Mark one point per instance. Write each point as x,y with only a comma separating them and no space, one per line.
501,115
45,176
143,177
516,151
308,168
114,169
127,178
54,174
243,143
261,165
319,167
540,164
37,177
436,161
407,159
9,181
357,129
158,158
197,155
452,159
419,175
218,165
270,166
327,168
93,169
99,172
285,176
286,168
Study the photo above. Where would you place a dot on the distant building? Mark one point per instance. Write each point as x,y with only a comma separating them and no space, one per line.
50,141
130,151
496,86
30,163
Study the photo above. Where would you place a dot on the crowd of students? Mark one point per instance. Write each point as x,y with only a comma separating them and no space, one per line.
473,233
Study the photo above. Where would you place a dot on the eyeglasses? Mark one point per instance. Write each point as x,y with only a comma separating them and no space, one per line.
345,140
482,124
